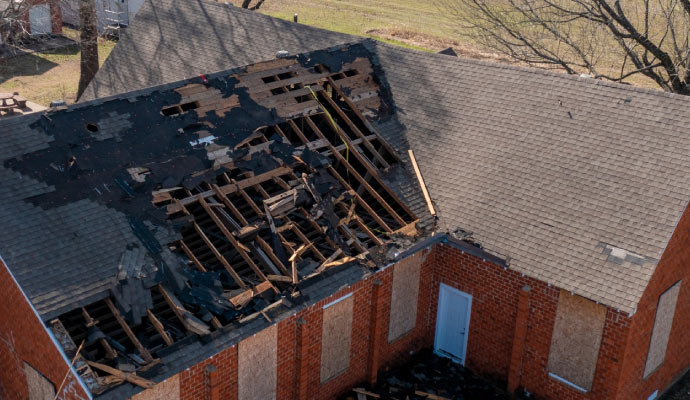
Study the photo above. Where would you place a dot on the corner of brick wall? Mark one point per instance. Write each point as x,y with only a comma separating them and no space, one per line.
673,266
495,294
23,338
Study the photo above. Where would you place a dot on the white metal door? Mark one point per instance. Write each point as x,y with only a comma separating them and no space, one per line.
39,20
452,323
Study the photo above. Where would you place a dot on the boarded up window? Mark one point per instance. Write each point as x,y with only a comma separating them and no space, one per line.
257,366
404,296
40,388
576,338
662,329
168,390
336,336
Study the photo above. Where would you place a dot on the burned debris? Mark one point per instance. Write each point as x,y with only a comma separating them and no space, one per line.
239,187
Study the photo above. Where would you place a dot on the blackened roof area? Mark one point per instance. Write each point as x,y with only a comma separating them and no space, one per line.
145,221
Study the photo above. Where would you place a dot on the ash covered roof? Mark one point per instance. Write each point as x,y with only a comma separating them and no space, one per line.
139,223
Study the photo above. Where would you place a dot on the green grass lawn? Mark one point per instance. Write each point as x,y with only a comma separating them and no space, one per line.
50,75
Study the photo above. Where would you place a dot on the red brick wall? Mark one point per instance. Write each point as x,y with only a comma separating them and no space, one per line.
495,293
23,338
673,266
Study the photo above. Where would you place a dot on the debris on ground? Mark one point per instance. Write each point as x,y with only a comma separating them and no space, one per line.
428,376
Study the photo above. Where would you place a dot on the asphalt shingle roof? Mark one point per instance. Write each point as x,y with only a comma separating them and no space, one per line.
579,182
171,40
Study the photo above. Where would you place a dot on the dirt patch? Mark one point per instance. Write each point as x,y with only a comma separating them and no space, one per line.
437,44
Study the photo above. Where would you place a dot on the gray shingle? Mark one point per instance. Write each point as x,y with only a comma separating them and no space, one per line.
172,40
504,159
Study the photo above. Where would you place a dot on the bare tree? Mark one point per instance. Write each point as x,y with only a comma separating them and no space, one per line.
607,39
88,41
13,20
247,4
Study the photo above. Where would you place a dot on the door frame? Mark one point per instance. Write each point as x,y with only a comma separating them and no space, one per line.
468,296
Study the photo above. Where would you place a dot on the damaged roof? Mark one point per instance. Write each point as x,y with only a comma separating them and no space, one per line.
141,223
579,182
170,40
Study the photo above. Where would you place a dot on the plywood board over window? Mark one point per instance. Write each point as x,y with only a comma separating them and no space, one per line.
404,296
40,388
168,390
257,366
576,339
336,336
662,329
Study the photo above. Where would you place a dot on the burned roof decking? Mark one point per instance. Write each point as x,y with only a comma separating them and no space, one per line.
224,194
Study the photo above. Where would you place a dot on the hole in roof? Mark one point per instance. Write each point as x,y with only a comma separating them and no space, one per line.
302,99
351,72
285,75
189,106
269,79
92,127
278,90
179,108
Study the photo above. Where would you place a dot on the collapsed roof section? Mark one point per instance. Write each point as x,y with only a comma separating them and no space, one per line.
235,188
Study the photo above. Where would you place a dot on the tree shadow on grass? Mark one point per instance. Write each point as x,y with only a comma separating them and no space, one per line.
33,64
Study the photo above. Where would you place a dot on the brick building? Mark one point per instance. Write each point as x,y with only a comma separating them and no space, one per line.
262,232
44,17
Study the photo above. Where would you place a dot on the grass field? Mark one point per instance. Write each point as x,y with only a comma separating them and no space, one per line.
46,76
381,19
43,77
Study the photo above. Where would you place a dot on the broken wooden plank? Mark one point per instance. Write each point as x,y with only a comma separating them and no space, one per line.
238,246
430,396
129,377
357,176
130,334
191,256
109,352
366,393
279,278
232,187
420,179
188,320
159,327
219,256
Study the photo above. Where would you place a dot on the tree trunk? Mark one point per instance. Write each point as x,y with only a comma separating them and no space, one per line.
88,43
